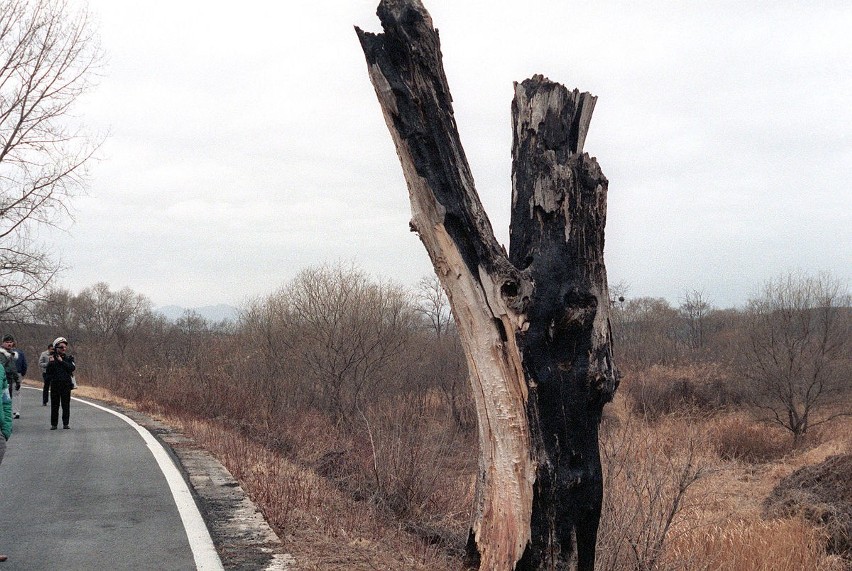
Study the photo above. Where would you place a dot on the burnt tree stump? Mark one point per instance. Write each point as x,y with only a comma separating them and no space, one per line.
534,324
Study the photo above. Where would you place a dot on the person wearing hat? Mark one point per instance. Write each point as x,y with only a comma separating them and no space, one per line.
7,360
60,369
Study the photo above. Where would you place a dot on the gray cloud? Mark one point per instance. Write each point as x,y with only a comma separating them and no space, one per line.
247,143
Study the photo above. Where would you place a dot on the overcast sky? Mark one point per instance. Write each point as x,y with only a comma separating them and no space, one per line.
245,141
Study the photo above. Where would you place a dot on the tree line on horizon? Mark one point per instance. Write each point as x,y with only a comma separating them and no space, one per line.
350,335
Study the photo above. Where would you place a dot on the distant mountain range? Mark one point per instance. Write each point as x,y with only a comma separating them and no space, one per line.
214,313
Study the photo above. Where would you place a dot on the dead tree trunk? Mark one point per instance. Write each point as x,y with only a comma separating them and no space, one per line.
534,324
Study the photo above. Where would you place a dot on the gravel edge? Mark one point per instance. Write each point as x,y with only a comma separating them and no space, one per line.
241,535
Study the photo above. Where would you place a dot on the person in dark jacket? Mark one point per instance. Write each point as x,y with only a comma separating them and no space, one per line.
60,369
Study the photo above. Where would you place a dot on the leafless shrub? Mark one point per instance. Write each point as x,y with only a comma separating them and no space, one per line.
345,334
321,527
646,331
442,370
739,438
659,391
649,476
417,473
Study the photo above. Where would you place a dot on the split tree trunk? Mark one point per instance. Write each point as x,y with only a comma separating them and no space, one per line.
535,324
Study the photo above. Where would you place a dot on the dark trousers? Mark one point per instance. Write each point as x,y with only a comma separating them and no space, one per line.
60,395
45,392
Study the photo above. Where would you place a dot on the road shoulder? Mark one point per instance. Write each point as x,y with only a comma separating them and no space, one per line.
241,535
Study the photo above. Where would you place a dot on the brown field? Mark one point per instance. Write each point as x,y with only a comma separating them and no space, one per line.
341,405
706,476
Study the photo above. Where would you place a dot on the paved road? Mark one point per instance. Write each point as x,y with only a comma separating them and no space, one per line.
89,498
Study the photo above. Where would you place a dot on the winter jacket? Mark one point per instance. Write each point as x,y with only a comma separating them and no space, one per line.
59,372
5,407
43,360
20,362
8,362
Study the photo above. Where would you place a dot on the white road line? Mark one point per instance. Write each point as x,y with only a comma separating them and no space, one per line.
203,551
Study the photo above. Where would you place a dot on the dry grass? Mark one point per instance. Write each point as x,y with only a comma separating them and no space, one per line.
736,437
670,473
736,535
677,498
652,474
820,494
319,525
664,390
752,545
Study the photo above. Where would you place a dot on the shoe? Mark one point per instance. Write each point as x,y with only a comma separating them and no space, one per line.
3,558
16,415
53,428
66,427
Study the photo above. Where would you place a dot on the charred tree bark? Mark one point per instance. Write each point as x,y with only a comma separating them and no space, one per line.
534,324
557,236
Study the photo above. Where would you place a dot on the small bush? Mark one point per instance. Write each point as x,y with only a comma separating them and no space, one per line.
736,438
651,475
661,391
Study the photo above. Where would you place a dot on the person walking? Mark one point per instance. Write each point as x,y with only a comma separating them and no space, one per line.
43,360
7,360
5,420
21,367
60,369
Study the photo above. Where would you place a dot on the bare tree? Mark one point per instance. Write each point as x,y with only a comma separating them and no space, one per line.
798,350
695,307
48,55
346,332
57,309
191,336
267,343
434,305
647,329
111,317
101,324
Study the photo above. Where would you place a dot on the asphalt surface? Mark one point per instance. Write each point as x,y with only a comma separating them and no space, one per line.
108,494
88,498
